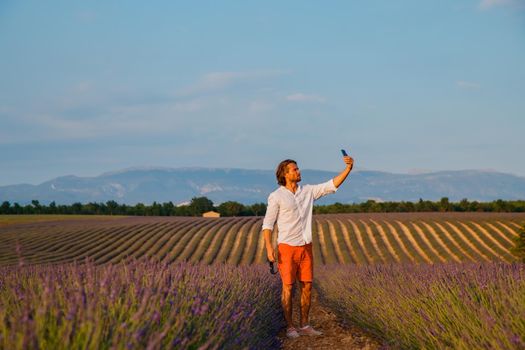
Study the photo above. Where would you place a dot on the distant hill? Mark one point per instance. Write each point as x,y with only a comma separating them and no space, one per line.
179,185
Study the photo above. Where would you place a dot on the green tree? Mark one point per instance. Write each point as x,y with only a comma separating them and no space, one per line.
5,208
199,205
52,209
37,207
17,208
91,208
444,204
230,208
499,206
168,208
422,205
182,210
112,207
156,209
463,205
258,209
76,208
140,209
370,206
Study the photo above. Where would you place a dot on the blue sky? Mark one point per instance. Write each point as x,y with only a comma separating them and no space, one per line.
405,86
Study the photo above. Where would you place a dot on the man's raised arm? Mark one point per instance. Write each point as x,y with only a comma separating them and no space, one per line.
339,179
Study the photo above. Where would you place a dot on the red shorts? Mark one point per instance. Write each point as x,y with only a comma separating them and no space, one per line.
295,262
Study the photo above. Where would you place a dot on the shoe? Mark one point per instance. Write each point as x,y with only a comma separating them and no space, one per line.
308,330
292,333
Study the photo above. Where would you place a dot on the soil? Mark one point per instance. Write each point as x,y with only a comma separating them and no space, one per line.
336,333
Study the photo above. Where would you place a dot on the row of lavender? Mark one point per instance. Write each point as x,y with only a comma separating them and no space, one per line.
460,306
138,304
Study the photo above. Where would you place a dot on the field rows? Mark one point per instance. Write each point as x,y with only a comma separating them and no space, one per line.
339,238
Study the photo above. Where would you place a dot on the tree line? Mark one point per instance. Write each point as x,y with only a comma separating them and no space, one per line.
200,205
443,205
196,207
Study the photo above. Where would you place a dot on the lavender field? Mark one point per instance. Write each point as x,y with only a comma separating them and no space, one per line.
138,305
425,280
454,306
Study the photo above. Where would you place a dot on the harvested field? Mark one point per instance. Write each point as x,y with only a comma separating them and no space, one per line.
338,238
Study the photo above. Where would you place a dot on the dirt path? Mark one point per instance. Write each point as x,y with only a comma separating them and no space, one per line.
336,335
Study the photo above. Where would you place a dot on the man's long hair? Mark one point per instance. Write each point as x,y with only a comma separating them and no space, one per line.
281,170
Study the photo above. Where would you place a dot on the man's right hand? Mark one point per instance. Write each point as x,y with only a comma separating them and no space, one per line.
270,253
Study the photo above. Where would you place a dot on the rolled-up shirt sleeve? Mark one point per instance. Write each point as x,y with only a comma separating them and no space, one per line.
323,189
272,210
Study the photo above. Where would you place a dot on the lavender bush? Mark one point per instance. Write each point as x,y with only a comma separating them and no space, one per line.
138,304
460,306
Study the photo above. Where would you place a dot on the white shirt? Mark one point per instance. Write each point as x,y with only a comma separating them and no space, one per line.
293,212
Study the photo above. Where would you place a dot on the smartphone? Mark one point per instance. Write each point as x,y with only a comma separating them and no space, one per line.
344,153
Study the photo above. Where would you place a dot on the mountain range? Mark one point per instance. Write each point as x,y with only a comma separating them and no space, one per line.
179,185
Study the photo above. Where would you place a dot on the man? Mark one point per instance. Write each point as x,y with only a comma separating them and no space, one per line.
291,206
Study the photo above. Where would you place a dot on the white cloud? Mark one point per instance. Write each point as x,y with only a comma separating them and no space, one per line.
300,97
87,16
107,121
467,84
87,110
259,106
83,86
217,81
487,4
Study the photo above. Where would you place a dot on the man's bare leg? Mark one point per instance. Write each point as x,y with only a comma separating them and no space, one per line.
306,300
286,299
